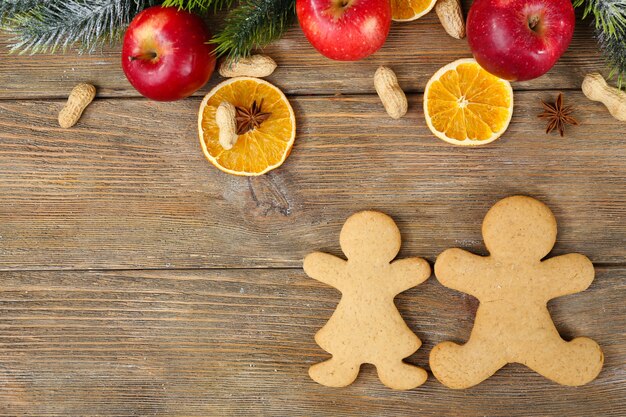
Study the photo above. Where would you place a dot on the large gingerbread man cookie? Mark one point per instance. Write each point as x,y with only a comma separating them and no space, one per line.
513,286
366,327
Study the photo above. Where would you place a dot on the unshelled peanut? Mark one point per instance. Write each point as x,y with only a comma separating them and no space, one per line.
227,124
390,93
596,89
79,99
450,14
253,66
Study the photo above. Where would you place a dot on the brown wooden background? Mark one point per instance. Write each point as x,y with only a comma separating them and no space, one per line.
135,279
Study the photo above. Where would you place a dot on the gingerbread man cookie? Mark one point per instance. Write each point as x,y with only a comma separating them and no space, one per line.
513,286
366,327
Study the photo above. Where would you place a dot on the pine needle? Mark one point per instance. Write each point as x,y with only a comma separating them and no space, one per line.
609,15
9,8
615,52
199,5
254,24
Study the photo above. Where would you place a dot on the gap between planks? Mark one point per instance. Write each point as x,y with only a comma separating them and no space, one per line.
599,265
419,92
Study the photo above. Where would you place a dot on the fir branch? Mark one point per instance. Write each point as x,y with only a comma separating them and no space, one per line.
9,8
58,24
12,8
254,24
609,15
200,5
615,53
610,27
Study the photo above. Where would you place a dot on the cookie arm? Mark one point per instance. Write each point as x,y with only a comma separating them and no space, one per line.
325,268
461,270
566,274
408,273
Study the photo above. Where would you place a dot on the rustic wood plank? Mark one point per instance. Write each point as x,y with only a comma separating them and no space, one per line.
128,187
239,342
415,50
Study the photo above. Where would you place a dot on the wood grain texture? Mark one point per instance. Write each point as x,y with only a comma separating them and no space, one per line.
128,187
239,342
415,50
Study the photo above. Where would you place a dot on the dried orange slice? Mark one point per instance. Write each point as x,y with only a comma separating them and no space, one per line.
407,10
266,144
465,105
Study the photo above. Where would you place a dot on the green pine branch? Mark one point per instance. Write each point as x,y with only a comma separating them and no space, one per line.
9,8
254,24
610,27
614,50
199,5
49,25
609,15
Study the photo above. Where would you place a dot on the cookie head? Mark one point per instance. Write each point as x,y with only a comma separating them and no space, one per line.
519,227
370,236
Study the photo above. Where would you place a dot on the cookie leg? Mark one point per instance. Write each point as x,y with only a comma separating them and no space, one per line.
463,366
567,363
400,375
334,372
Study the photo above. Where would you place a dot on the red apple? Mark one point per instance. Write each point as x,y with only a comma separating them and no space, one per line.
519,39
346,30
166,55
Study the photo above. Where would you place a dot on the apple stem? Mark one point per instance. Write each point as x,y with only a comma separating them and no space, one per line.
533,21
343,4
148,56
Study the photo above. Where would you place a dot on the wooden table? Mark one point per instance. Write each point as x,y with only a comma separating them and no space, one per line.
136,279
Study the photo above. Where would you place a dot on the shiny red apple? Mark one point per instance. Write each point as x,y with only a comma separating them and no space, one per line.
345,30
166,55
519,39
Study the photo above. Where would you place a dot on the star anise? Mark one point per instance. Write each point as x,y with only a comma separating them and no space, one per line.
249,119
557,115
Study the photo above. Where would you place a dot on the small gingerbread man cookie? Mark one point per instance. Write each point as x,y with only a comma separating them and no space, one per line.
513,286
366,327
